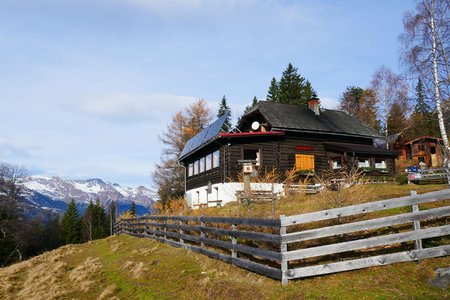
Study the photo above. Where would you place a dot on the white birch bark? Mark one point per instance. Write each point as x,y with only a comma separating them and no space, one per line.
436,87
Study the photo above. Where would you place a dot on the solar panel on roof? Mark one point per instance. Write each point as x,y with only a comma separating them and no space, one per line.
203,136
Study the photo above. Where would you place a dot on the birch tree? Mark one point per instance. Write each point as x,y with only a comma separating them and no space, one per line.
426,43
389,89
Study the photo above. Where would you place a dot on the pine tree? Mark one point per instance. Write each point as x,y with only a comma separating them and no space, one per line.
422,120
247,109
133,209
111,217
291,89
88,222
310,92
253,104
224,109
272,94
70,225
100,223
422,106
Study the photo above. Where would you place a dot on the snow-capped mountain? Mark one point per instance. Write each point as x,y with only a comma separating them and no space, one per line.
54,193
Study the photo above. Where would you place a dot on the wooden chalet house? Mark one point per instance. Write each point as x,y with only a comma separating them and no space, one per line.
281,136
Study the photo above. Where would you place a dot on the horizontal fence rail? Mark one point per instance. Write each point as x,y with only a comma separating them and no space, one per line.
248,243
371,234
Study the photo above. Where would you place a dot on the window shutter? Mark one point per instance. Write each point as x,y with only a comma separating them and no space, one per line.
304,162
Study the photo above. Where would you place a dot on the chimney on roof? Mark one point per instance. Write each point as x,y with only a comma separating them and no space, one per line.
313,105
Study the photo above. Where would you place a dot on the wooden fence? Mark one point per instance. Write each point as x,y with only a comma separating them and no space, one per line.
377,233
247,243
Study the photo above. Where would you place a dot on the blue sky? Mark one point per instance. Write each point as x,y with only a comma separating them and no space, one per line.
87,86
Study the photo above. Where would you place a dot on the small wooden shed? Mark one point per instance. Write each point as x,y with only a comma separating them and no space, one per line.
425,149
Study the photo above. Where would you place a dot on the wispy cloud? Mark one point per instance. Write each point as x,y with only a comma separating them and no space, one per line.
329,103
131,108
184,7
11,149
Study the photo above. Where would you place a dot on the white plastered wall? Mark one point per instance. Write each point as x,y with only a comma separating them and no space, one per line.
225,192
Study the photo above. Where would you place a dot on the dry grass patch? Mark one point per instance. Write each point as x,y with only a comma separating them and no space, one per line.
109,293
84,276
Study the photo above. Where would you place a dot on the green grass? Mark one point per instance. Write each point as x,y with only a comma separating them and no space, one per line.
173,273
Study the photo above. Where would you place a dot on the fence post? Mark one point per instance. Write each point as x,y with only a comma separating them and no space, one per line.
202,234
165,229
233,242
415,208
145,225
181,229
283,250
273,202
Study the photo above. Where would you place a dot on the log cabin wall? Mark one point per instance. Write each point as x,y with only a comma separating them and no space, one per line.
214,175
276,152
279,152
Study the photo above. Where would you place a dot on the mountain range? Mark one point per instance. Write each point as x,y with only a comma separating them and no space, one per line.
49,195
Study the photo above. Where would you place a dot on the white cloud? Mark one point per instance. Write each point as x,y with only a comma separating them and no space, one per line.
129,108
183,7
329,103
11,149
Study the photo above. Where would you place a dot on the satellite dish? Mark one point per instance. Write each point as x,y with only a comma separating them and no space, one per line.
255,125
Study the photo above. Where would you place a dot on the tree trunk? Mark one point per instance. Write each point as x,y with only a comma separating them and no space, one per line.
436,88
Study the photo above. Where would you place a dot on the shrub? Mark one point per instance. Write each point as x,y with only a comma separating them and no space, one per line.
402,179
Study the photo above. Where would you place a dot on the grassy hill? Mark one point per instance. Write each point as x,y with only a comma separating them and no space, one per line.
123,267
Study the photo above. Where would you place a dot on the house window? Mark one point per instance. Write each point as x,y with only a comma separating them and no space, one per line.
420,147
432,150
202,165
191,169
363,163
336,163
253,154
208,162
421,159
196,167
304,162
380,163
216,159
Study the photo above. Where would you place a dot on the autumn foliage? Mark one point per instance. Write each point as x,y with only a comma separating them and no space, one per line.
168,175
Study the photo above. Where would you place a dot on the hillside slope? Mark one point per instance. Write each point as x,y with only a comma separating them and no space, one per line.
123,267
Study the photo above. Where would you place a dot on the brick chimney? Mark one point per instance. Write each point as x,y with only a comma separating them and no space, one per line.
313,105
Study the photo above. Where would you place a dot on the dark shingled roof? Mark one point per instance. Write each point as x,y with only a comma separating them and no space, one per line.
300,118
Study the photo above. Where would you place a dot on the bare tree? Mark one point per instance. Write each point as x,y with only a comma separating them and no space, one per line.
11,239
426,42
389,88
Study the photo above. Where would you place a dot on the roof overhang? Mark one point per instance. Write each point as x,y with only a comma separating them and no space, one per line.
251,134
360,149
325,132
425,137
